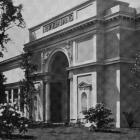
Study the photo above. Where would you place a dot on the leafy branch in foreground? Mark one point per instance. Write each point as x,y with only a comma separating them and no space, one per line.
11,120
10,16
27,88
99,115
135,69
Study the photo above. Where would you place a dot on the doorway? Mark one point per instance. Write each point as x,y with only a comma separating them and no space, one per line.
59,89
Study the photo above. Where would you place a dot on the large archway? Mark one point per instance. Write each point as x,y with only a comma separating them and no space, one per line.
59,88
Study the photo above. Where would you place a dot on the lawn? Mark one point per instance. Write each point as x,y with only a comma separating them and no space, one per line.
72,133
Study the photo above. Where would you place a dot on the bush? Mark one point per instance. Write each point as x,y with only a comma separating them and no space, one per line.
11,120
99,115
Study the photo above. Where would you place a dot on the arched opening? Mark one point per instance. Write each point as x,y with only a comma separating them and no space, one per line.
84,101
59,88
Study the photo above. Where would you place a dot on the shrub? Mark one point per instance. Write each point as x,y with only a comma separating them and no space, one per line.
99,115
11,120
129,118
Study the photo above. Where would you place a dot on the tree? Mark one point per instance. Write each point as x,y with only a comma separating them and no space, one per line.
10,16
27,88
2,88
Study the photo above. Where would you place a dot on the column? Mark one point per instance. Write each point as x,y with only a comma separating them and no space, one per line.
19,98
47,101
7,96
73,102
12,96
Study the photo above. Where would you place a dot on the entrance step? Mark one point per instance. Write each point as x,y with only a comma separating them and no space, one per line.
45,124
58,124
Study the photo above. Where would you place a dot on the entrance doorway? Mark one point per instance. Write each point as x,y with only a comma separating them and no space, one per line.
59,89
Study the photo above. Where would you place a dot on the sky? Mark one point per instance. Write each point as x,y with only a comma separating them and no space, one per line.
37,11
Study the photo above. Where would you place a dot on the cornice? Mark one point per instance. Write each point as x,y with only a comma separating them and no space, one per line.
11,63
81,25
13,85
119,15
64,41
103,63
18,57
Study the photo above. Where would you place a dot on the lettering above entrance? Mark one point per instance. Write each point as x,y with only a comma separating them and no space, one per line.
58,22
84,85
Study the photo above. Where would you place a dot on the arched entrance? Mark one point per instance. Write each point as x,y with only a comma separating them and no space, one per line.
59,88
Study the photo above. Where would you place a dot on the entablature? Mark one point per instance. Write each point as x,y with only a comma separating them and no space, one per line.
71,17
94,21
11,63
117,60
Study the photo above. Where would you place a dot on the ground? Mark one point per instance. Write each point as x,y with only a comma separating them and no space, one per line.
72,133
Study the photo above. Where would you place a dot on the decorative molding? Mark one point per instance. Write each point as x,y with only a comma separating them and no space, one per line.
68,47
45,55
117,16
84,85
116,60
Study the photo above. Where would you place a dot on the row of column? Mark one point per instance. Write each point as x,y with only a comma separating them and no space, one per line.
16,101
12,100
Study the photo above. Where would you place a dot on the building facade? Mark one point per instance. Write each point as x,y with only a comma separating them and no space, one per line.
84,57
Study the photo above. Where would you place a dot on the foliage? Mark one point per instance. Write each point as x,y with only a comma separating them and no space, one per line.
135,69
10,16
10,120
129,118
27,88
99,115
2,88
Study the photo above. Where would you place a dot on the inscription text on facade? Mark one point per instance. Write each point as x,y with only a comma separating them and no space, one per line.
58,22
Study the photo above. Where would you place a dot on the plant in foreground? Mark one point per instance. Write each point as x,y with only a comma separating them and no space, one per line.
99,116
11,120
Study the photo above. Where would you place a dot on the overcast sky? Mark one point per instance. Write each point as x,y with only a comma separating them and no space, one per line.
37,11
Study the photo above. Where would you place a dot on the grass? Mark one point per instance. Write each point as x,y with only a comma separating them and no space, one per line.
71,133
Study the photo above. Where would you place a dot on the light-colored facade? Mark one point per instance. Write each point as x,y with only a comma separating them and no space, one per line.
83,57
